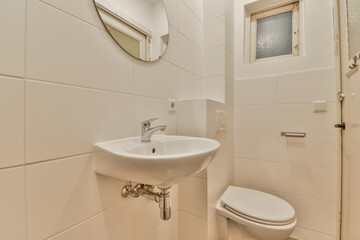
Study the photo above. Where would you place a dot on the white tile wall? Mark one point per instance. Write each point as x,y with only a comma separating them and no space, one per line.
214,61
192,227
313,214
248,91
12,204
66,85
260,118
65,192
190,25
301,170
260,146
64,121
11,121
193,195
315,183
314,151
301,118
78,54
256,173
190,56
214,32
12,28
110,224
167,230
159,79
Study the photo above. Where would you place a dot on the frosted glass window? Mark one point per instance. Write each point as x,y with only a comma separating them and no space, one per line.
274,35
354,27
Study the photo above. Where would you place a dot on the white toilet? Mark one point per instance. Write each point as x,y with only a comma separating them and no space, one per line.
262,215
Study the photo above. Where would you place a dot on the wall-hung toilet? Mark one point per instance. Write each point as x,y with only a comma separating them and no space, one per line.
262,215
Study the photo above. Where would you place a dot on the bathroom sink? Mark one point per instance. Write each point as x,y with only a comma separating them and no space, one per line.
164,161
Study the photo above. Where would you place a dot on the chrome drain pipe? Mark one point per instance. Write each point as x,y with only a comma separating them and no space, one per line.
162,197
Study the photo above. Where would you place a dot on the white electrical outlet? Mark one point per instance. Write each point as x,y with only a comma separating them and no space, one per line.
220,121
172,105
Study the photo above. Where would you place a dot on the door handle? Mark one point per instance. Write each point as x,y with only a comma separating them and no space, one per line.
340,125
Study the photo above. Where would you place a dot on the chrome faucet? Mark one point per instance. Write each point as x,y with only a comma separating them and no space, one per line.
147,131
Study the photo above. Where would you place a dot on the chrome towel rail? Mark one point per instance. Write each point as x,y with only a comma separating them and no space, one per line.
294,134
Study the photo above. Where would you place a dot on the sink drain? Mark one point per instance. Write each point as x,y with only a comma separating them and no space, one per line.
153,150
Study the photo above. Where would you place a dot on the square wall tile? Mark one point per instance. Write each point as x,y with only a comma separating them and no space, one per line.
213,88
146,217
313,151
156,79
193,196
302,118
190,85
261,174
113,224
192,115
225,154
190,25
213,9
214,61
313,214
307,86
67,50
65,192
12,204
192,227
316,183
216,186
260,146
168,230
65,121
255,91
82,9
214,32
12,28
11,121
196,6
306,234
256,118
190,56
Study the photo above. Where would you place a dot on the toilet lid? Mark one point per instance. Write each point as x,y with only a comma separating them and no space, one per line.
258,206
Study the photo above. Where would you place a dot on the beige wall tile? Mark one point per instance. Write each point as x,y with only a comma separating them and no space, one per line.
65,192
12,28
78,54
113,224
64,121
11,121
12,204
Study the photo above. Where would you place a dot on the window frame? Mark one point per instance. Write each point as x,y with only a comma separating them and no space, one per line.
254,17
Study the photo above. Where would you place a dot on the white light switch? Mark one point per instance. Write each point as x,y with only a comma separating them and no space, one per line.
220,121
320,106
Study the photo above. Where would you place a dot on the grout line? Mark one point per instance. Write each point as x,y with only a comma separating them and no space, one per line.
188,7
278,163
89,88
192,214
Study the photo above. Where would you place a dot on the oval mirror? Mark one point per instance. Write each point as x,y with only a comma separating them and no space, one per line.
140,27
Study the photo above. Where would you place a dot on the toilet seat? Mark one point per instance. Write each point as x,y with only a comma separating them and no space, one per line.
258,206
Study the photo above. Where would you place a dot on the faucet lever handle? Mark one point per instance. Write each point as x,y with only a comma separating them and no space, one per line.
148,122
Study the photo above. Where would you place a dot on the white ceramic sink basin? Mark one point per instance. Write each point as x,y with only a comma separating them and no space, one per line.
164,161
